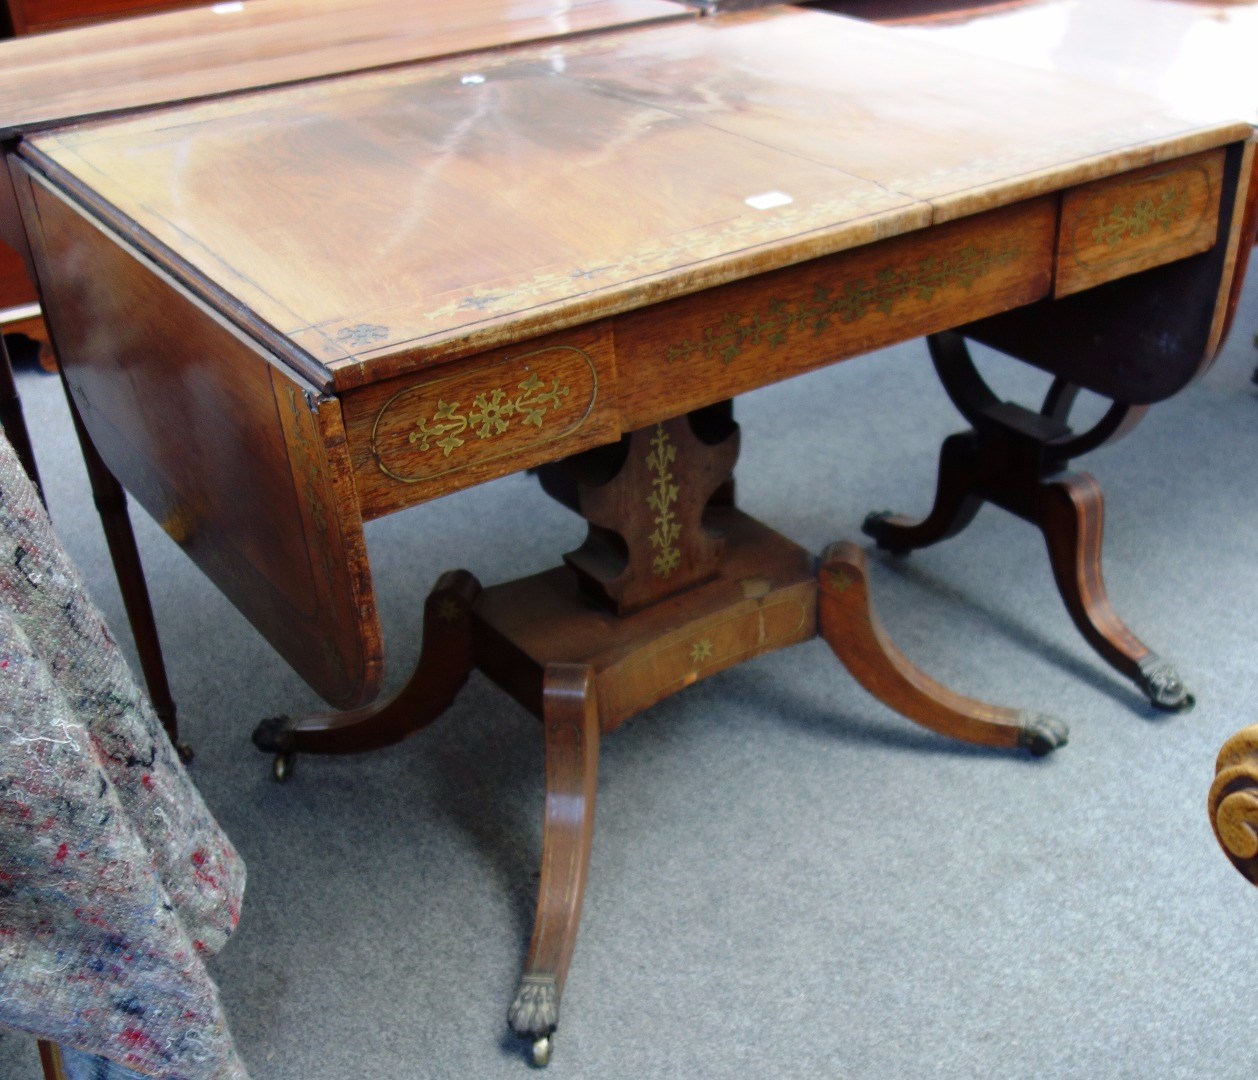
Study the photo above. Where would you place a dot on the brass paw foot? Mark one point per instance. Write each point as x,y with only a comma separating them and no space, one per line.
535,1014
1162,685
1042,734
275,735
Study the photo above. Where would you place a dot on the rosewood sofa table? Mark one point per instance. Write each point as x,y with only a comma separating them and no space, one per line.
284,313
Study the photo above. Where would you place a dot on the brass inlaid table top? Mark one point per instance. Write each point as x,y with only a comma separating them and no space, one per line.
450,271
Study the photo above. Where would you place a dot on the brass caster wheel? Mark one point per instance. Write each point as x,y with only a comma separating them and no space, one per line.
185,753
541,1051
282,766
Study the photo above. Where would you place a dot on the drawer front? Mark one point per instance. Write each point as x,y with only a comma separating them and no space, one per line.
690,352
421,436
1139,220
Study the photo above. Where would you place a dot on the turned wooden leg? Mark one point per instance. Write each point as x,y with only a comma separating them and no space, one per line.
111,505
570,720
1072,516
1234,801
956,502
846,620
445,662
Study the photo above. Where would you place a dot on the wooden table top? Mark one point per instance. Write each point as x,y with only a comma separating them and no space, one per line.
286,312
1195,55
454,205
227,47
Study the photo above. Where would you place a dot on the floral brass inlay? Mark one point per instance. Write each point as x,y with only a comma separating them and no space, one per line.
663,494
491,414
362,334
1138,218
501,409
889,287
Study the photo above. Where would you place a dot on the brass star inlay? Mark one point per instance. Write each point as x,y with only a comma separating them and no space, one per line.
839,580
701,651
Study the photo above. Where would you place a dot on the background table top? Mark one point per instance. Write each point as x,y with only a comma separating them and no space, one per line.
223,48
480,199
1195,55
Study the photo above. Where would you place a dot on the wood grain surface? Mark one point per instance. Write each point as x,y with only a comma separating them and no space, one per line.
242,464
221,49
521,192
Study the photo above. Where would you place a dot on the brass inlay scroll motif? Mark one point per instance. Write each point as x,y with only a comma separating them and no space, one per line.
727,339
491,414
430,429
1139,218
663,494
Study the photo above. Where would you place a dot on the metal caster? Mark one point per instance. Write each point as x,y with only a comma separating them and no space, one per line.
541,1051
1041,735
282,766
185,753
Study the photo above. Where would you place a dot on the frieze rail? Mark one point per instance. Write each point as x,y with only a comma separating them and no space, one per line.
782,319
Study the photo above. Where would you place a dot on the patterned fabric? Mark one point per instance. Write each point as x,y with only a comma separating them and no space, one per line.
115,881
76,1065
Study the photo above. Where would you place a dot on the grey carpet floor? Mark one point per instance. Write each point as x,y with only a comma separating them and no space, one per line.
788,880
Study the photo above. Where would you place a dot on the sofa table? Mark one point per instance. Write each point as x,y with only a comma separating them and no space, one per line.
285,313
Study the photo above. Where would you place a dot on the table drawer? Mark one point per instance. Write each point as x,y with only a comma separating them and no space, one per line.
1119,226
420,436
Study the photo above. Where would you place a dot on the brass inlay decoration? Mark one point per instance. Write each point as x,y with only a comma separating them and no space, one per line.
362,334
891,286
406,449
701,652
663,494
839,580
490,414
449,611
1137,219
733,638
